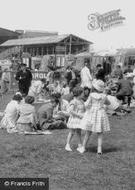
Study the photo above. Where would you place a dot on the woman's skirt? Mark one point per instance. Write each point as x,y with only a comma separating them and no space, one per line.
24,127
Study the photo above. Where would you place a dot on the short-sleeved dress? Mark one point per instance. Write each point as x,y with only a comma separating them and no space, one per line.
27,120
10,116
78,107
95,118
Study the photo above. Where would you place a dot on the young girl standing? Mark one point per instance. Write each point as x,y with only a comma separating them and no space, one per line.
76,111
95,118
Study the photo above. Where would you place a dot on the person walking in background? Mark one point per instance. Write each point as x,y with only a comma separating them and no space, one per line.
76,112
5,80
95,118
68,74
86,78
24,78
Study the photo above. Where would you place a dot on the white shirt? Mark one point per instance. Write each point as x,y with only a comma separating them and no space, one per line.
36,87
86,78
12,110
5,76
114,102
65,91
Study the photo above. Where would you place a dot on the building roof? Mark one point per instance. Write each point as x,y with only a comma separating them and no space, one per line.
40,40
126,51
6,32
83,54
35,33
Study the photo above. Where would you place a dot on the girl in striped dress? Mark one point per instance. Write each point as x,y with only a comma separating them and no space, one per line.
76,112
95,118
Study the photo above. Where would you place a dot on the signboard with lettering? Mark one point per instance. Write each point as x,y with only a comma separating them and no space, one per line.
60,49
105,21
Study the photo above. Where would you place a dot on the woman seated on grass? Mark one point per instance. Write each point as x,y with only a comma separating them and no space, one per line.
27,120
11,114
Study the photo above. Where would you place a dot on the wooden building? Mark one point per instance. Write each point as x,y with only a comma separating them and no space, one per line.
49,45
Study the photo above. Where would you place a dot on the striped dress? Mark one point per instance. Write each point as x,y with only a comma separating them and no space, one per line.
78,107
95,118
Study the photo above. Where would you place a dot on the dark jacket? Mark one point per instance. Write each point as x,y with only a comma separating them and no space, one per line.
100,75
24,78
68,76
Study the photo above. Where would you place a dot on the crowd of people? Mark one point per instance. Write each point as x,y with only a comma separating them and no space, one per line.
81,101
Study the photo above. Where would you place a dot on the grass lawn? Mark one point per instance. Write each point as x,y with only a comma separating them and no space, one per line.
44,156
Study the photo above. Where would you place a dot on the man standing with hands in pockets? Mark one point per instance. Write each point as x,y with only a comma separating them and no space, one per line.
24,78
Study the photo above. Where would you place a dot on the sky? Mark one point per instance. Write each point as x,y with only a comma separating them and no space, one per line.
71,17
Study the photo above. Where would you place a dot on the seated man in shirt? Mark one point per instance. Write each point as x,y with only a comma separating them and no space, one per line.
49,116
115,106
125,89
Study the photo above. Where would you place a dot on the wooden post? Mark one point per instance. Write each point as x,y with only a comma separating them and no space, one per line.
53,50
70,45
65,49
42,51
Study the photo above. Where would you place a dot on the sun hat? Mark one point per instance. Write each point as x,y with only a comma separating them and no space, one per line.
98,85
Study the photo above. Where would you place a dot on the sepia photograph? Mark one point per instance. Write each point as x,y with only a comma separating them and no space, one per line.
67,95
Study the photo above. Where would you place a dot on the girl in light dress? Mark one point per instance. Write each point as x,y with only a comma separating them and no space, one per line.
95,118
11,114
76,112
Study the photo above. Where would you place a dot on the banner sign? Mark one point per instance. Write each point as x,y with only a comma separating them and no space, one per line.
105,21
38,75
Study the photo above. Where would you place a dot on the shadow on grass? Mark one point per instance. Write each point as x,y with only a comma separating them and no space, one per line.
105,150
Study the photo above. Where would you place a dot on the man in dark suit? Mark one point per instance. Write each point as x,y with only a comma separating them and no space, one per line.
24,78
100,75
